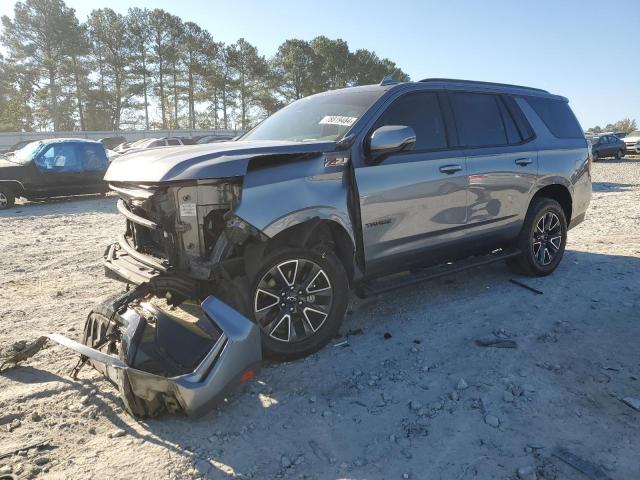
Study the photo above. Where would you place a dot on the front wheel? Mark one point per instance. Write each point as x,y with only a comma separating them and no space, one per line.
7,198
619,154
298,300
542,239
595,156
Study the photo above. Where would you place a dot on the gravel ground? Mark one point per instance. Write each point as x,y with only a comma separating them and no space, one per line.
410,396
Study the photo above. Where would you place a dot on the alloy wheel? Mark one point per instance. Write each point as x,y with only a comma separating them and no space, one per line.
547,238
292,300
4,201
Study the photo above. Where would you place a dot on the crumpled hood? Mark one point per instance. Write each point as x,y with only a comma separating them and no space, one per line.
191,162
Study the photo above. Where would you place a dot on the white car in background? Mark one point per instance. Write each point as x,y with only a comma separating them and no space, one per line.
632,142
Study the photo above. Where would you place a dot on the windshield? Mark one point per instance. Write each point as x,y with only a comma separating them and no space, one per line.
635,133
320,117
25,154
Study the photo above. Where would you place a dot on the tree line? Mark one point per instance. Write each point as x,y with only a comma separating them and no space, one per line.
625,125
150,69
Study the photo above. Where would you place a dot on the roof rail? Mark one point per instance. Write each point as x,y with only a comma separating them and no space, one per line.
475,82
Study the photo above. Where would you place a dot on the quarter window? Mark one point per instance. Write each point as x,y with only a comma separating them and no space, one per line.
420,111
478,119
557,116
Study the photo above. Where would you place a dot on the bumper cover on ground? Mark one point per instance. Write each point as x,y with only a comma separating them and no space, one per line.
162,363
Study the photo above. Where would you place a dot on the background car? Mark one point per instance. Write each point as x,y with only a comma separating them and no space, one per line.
607,146
50,168
214,139
112,142
152,143
631,142
16,146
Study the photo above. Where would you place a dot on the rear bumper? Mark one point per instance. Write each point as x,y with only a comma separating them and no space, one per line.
231,355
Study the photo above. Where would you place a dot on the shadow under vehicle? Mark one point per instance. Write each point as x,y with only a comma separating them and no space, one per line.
53,168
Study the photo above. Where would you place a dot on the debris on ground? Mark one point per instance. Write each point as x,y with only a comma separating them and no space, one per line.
23,352
590,469
496,342
524,285
632,402
39,445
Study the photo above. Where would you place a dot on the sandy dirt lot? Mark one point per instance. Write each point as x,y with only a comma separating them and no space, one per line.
410,396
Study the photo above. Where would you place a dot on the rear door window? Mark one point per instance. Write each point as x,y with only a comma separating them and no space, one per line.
420,111
93,157
173,141
478,119
557,116
59,158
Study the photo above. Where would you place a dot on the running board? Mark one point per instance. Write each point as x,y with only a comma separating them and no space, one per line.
389,284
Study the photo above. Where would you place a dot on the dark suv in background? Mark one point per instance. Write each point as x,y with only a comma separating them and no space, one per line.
340,189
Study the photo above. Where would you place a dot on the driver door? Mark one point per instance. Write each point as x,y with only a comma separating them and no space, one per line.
412,201
58,168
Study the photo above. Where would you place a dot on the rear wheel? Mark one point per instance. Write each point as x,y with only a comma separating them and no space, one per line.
7,198
298,299
595,156
542,239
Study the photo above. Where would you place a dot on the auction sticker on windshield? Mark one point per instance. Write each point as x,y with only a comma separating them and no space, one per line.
338,120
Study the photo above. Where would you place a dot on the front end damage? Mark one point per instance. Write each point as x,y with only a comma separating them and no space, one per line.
162,362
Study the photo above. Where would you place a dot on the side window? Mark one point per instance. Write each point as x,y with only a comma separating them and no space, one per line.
173,141
604,139
156,143
93,157
60,158
420,111
478,119
557,116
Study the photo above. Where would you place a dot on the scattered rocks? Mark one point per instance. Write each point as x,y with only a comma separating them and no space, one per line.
462,384
507,396
527,473
36,417
5,469
454,395
40,461
492,420
285,462
117,433
415,405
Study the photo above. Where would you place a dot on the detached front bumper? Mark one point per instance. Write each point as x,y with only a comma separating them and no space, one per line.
163,363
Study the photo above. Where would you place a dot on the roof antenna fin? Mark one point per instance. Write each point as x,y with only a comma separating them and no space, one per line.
388,80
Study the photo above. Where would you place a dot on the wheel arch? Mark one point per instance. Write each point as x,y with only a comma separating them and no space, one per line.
16,186
315,232
561,194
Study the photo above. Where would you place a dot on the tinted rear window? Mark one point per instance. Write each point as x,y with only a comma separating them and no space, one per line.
557,116
478,119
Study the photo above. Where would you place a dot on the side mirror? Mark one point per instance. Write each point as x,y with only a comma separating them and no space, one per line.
391,139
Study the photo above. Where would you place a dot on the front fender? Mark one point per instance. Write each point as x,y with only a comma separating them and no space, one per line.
279,197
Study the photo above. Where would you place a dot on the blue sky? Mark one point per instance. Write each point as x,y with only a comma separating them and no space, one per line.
587,50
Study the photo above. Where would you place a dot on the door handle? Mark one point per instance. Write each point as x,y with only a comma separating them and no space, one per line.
523,162
449,169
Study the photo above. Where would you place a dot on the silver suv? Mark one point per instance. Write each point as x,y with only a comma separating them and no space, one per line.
338,190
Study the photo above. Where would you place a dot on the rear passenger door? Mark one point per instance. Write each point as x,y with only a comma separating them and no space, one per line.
502,161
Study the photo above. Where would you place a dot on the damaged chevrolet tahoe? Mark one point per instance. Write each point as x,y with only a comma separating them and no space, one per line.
341,188
367,188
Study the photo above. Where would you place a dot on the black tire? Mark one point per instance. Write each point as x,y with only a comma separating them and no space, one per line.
595,156
286,349
532,261
619,154
7,197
